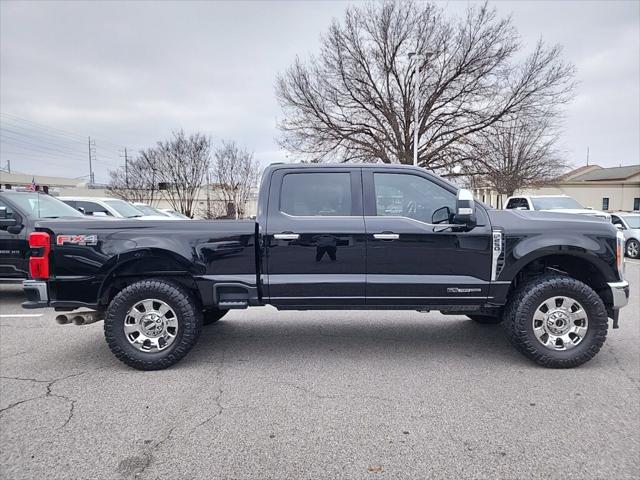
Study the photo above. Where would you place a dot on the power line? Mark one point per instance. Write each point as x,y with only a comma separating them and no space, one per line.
67,132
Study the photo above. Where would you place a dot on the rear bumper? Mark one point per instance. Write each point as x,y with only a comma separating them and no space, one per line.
36,293
619,294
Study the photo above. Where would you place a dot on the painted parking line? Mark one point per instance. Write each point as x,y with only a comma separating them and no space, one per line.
22,315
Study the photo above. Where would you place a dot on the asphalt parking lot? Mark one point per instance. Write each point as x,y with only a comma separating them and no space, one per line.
339,394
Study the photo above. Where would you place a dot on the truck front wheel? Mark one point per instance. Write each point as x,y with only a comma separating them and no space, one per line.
557,321
152,324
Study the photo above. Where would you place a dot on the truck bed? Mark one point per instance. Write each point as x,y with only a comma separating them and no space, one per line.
86,257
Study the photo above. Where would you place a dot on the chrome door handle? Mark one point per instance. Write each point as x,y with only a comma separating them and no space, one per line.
386,236
286,236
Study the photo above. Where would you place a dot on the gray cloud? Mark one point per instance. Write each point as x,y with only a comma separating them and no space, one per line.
128,73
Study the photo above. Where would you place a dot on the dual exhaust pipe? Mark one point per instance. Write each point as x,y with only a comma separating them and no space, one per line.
80,318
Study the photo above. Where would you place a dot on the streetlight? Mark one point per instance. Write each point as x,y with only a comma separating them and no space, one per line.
419,57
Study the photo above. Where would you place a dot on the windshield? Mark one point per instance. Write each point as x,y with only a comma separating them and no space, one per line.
123,208
632,220
549,203
41,205
179,215
147,210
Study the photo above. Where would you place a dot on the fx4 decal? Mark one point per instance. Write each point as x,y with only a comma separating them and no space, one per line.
77,239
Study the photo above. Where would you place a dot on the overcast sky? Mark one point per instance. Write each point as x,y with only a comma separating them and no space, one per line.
129,73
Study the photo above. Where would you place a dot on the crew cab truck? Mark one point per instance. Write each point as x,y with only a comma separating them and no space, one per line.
338,237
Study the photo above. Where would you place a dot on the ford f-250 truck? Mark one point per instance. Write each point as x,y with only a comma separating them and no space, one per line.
338,237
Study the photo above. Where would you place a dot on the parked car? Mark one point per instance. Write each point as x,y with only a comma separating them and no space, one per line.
108,207
149,210
339,237
174,213
629,224
555,203
18,213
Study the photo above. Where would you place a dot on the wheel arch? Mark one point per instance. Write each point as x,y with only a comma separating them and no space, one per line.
135,265
582,266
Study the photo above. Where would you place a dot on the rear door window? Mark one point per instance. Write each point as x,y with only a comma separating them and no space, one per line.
316,194
90,208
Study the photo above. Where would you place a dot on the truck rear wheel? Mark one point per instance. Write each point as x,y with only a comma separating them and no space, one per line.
152,324
557,321
212,316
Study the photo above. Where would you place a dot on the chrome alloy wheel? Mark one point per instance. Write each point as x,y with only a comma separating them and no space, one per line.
151,325
633,248
560,323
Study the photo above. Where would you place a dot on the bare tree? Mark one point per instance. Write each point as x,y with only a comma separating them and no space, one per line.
179,165
354,101
518,155
136,182
235,172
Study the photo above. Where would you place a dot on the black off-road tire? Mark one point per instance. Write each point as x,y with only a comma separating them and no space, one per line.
486,319
629,251
212,316
186,307
518,320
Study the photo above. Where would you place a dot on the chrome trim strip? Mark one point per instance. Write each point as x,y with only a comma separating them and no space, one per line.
496,250
286,236
386,236
378,298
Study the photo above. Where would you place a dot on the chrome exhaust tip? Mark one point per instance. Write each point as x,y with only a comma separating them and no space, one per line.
86,318
62,320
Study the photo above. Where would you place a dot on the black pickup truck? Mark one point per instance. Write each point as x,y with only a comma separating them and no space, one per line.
338,237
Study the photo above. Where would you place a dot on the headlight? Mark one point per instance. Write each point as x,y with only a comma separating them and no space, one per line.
620,253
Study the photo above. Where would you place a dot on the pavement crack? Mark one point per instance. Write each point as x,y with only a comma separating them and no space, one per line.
334,396
218,398
48,393
622,368
149,455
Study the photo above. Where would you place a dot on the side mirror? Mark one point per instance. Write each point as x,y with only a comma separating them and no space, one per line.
3,213
81,210
441,215
619,227
465,209
8,222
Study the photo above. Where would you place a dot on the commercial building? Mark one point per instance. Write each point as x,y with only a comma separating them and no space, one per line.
609,189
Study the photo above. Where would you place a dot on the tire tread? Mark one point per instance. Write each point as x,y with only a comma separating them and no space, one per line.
515,320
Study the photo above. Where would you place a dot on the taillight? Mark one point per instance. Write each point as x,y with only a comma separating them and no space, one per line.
40,245
620,253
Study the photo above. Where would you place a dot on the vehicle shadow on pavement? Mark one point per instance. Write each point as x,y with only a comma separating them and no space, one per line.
11,293
451,339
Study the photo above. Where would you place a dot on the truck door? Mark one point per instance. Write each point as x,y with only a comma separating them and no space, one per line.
412,261
14,248
315,238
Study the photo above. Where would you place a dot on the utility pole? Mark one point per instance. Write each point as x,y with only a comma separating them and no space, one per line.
91,153
9,166
587,156
126,168
419,58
